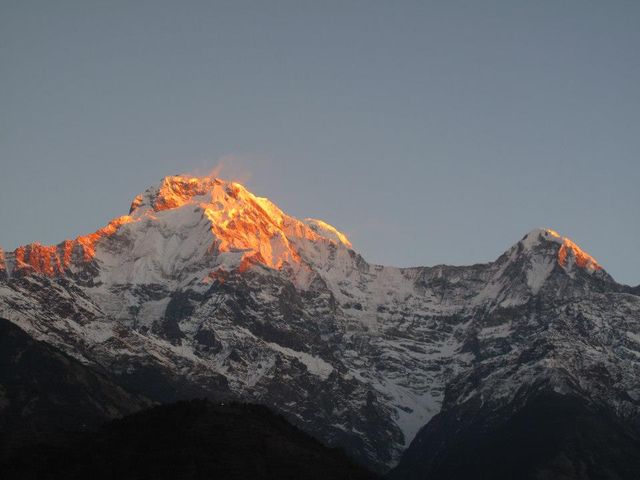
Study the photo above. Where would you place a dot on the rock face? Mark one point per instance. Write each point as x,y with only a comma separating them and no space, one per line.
207,290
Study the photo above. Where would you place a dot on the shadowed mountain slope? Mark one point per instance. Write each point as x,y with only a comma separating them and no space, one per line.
550,437
44,391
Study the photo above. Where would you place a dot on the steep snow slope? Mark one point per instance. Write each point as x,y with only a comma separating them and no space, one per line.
206,288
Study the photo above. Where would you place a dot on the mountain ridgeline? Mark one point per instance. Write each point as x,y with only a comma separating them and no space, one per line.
206,290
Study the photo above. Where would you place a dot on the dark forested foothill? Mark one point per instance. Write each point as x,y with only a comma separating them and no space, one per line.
193,439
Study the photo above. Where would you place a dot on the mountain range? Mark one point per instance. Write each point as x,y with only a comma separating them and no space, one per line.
524,367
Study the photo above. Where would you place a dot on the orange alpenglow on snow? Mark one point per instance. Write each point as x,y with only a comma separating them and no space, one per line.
582,258
238,220
570,250
55,259
89,241
41,258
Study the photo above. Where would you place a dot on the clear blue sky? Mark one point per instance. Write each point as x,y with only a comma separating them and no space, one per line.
430,132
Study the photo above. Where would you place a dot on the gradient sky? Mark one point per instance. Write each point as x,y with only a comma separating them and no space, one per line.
430,132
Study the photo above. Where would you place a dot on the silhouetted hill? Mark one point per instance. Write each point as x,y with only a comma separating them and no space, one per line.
188,440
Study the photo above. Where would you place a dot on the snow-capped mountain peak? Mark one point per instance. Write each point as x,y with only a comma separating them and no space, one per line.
186,220
569,254
239,220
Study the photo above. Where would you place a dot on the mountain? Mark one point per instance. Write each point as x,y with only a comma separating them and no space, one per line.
553,388
188,440
204,289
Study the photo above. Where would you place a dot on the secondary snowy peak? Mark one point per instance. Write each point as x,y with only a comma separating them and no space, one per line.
187,220
540,255
569,254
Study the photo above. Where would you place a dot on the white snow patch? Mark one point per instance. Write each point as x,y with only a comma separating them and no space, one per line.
538,273
315,365
634,336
